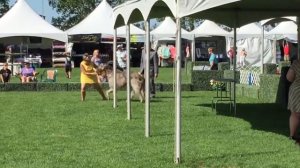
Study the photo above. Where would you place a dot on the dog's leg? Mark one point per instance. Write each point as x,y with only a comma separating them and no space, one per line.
142,96
132,94
108,92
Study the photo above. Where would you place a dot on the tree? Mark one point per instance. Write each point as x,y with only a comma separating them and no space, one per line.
72,12
4,7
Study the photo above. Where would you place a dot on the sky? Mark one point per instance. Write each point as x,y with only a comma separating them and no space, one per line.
41,7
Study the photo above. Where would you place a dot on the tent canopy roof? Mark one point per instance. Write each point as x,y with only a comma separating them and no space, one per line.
209,28
100,21
21,20
285,28
233,13
168,28
247,11
139,10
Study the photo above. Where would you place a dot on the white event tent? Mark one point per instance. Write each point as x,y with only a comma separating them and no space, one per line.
21,20
285,30
209,28
249,30
100,21
168,28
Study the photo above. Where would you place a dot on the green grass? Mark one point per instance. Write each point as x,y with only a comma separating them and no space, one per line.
165,75
51,129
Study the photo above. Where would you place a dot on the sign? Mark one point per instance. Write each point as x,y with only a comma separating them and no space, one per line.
85,38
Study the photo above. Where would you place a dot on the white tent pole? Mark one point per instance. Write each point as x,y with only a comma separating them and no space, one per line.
262,49
128,71
234,68
147,81
298,35
114,70
178,95
193,48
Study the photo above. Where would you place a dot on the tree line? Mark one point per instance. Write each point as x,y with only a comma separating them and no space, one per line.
71,12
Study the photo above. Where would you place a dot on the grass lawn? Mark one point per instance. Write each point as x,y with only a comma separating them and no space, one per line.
165,75
55,129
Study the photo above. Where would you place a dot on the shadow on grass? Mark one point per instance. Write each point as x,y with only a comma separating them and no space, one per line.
268,117
173,97
237,155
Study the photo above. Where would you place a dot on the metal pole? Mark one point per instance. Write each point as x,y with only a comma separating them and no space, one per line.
147,81
193,49
262,49
178,95
298,35
128,71
114,70
234,69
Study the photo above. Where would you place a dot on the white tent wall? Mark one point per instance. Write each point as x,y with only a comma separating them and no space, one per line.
253,47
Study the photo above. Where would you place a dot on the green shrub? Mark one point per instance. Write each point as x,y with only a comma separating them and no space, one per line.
223,66
275,88
201,79
199,63
74,86
269,68
269,86
228,74
50,87
248,91
19,87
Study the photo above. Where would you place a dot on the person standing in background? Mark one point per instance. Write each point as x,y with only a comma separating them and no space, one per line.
286,51
121,57
230,55
96,59
68,65
278,53
153,68
243,55
213,61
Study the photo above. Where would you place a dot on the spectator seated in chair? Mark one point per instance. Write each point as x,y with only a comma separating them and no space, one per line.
28,74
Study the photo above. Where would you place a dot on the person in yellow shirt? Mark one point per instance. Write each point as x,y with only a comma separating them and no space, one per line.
88,76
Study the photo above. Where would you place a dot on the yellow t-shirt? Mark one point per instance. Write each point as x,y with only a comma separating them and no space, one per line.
89,69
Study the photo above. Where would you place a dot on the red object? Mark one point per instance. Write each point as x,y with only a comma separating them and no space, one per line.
230,53
286,49
173,52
